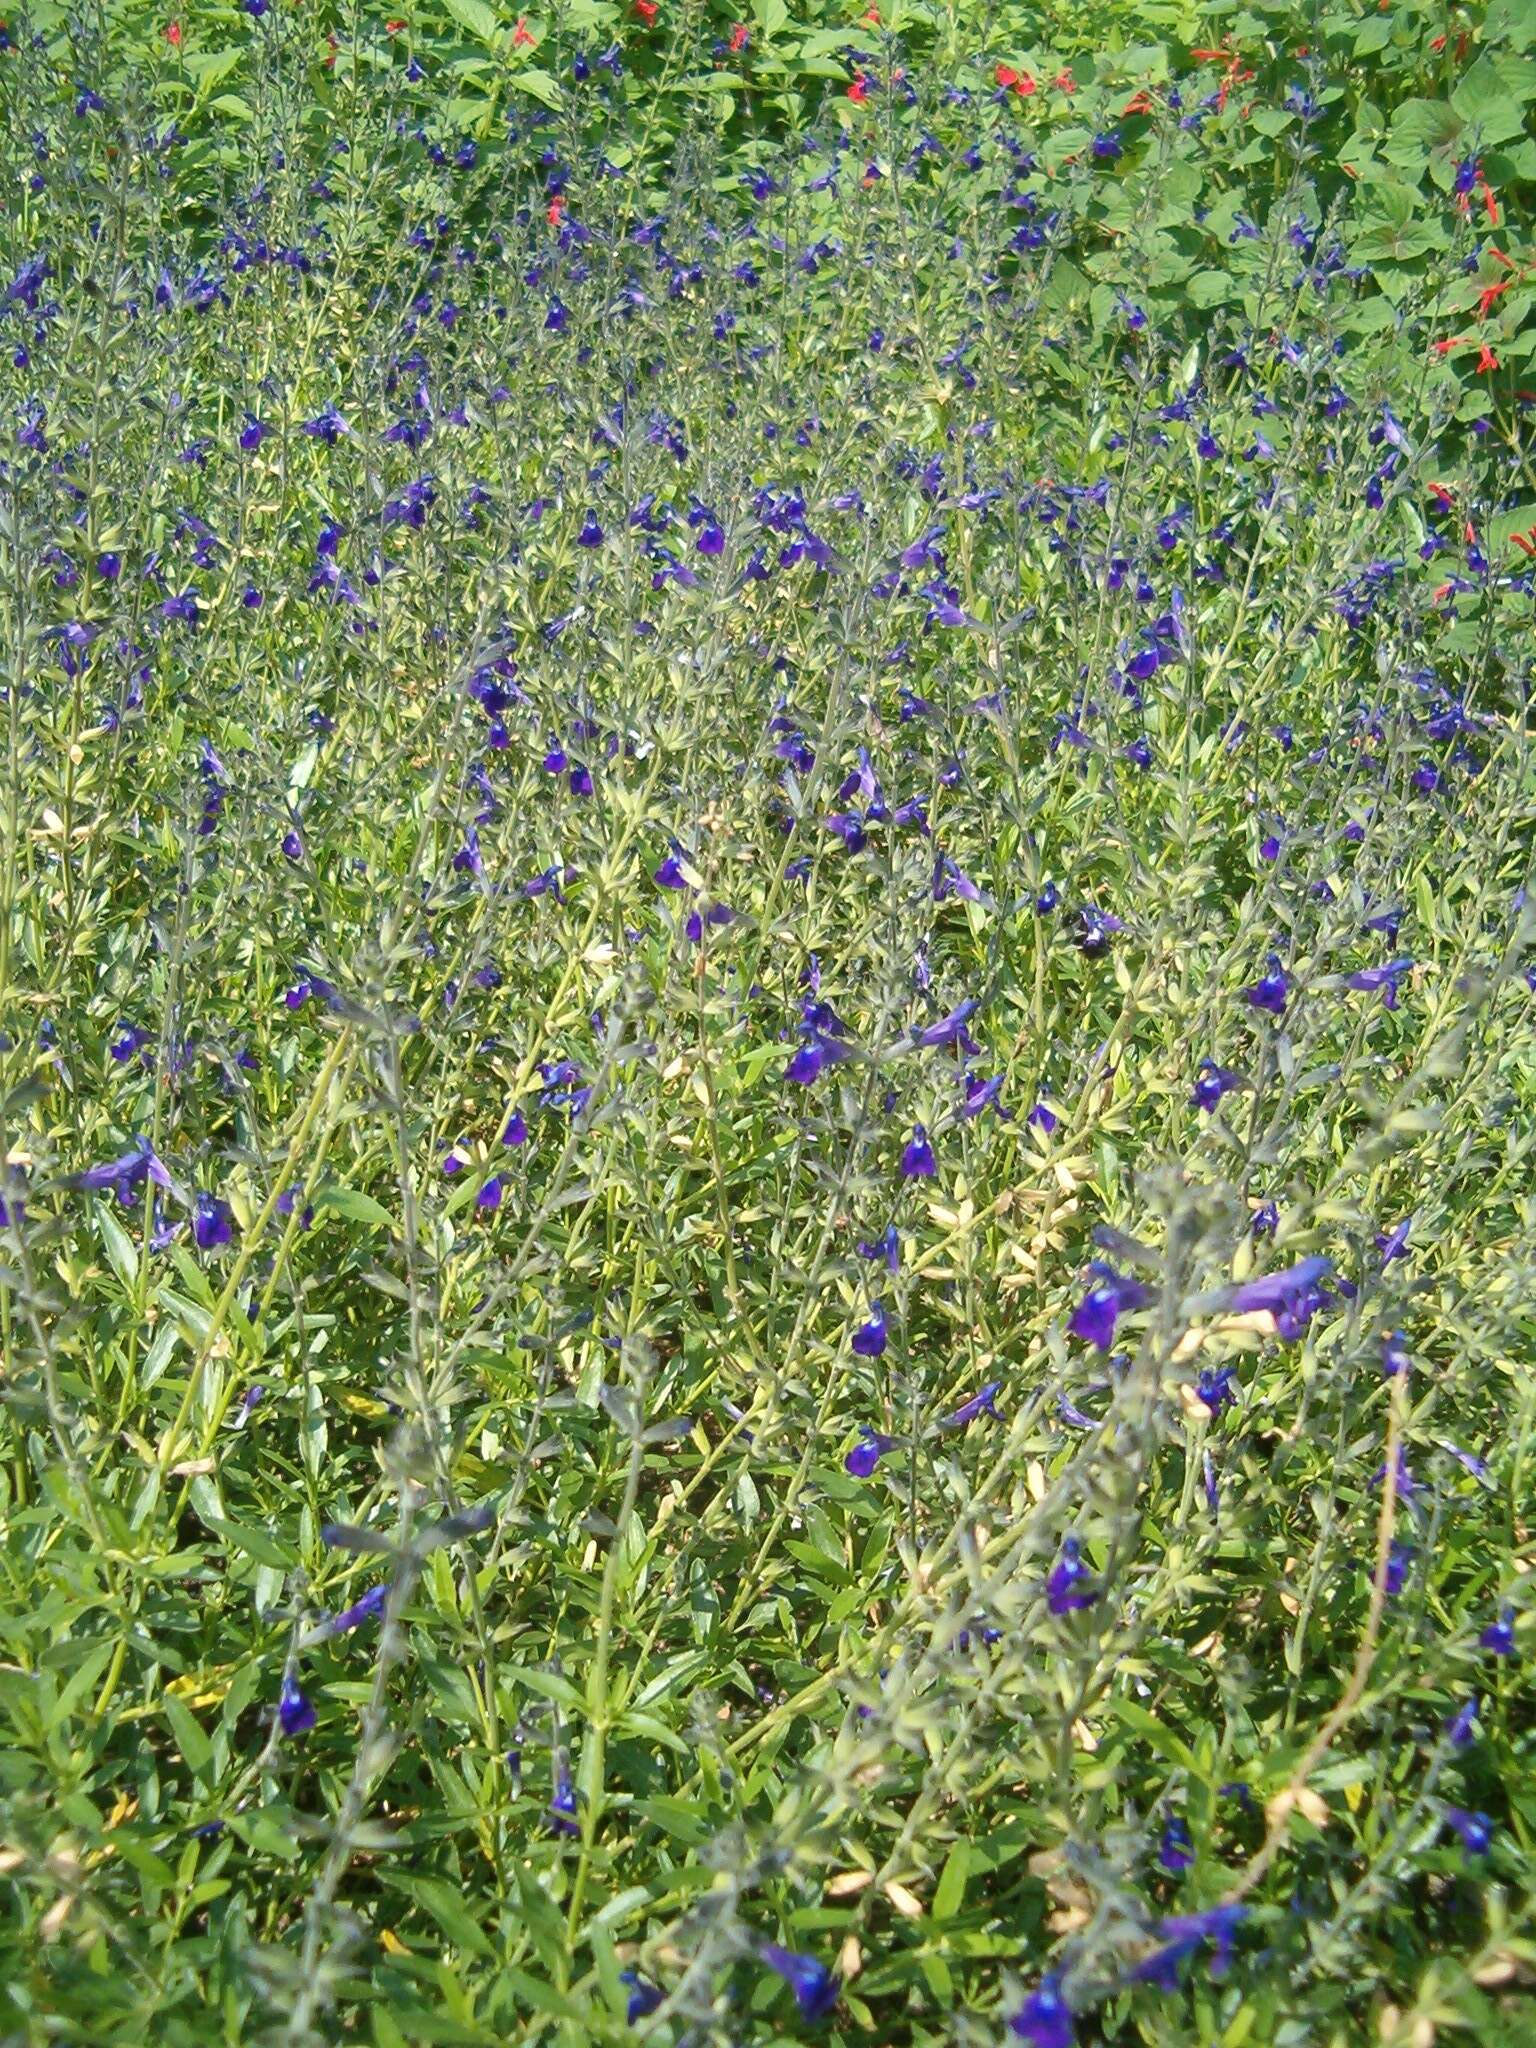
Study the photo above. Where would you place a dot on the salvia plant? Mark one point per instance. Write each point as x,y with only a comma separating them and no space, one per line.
768,985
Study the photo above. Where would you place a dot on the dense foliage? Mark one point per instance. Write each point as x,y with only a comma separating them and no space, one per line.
769,1064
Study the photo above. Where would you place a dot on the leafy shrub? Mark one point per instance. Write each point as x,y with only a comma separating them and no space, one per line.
769,1058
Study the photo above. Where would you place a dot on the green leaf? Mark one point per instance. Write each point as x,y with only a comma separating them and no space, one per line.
538,85
253,1543
950,1892
356,1206
475,16
194,1745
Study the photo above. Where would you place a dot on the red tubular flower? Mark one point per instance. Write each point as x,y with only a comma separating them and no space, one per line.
173,34
858,92
647,11
739,36
1486,360
522,36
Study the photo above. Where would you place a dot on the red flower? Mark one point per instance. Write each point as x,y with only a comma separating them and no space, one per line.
330,62
393,28
647,11
1525,542
556,208
739,35
522,37
1064,82
173,34
858,92
1486,360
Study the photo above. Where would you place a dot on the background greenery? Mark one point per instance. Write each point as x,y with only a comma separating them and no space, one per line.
530,943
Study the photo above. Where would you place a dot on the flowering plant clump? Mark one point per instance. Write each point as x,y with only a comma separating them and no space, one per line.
768,986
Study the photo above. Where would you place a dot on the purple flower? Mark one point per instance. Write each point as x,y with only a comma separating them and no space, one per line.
591,534
1045,2019
1216,1924
295,1714
864,1457
886,1247
1214,1082
1112,1296
643,1998
670,874
948,1030
1070,1585
124,1176
369,1608
983,1403
1399,1564
1095,928
516,1132
917,1161
1217,1387
1271,991
1498,1638
212,1224
1460,1727
1395,1355
1392,1244
1475,1829
1385,979
562,1804
1292,1297
489,1196
1176,1850
1042,1118
868,1340
814,1985
817,1052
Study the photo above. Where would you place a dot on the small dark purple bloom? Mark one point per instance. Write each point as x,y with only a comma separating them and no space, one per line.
948,1030
1461,1727
1272,990
864,1457
1216,1924
295,1714
1393,1244
1044,2020
1475,1829
643,1998
212,1224
1176,1850
369,1608
1383,979
1395,1355
1213,1083
917,1161
1070,1585
868,1340
1498,1638
1217,1387
814,1985
1111,1296
490,1194
1042,1118
982,1403
886,1247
